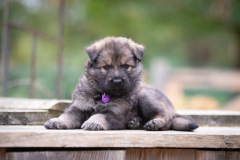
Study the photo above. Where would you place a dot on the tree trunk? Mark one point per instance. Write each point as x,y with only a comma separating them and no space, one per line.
237,63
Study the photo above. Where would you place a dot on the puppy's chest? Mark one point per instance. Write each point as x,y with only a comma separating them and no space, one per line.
123,103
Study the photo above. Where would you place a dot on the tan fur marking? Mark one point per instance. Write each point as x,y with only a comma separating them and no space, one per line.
104,59
116,71
127,59
129,69
103,71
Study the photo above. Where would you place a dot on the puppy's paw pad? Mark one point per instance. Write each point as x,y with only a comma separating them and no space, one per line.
153,125
55,123
92,126
134,123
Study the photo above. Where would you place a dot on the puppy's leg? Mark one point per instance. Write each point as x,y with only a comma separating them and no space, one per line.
110,116
159,113
72,118
157,124
156,109
105,121
96,122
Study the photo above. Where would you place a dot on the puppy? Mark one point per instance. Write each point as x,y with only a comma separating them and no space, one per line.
111,96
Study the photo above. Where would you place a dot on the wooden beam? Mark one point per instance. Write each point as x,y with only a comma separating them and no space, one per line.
36,111
38,136
26,117
33,104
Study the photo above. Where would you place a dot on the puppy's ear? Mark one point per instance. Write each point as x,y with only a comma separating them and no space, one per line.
92,52
139,52
137,49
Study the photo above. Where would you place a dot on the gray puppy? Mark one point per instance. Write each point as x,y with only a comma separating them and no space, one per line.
111,96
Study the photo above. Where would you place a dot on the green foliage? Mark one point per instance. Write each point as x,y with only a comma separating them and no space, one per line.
165,28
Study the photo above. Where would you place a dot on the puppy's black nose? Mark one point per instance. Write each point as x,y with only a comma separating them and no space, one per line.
117,81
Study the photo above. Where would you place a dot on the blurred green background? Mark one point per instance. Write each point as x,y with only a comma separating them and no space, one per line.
184,33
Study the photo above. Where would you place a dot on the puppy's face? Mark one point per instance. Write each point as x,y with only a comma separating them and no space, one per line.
114,64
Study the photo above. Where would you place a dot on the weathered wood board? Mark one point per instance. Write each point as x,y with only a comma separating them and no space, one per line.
163,154
68,155
38,136
26,117
2,154
217,155
33,104
124,154
38,117
213,117
19,111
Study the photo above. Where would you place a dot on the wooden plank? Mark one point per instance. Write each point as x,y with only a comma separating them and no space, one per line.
213,117
232,141
163,154
68,155
38,136
38,117
208,113
217,155
2,154
209,155
26,117
19,111
33,104
232,155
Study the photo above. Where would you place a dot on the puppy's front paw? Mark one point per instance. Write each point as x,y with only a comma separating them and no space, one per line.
134,123
55,123
153,125
92,126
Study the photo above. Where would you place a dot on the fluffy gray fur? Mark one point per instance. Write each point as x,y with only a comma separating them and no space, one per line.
133,104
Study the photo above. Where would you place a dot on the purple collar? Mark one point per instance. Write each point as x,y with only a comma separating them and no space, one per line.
105,98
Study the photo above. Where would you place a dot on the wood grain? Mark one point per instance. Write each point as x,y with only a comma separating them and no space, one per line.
217,155
38,136
68,155
163,154
20,111
26,117
232,155
232,141
2,154
33,104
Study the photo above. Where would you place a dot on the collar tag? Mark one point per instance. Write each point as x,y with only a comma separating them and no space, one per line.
105,98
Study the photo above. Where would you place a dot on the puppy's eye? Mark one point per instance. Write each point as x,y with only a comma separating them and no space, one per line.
126,66
106,67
